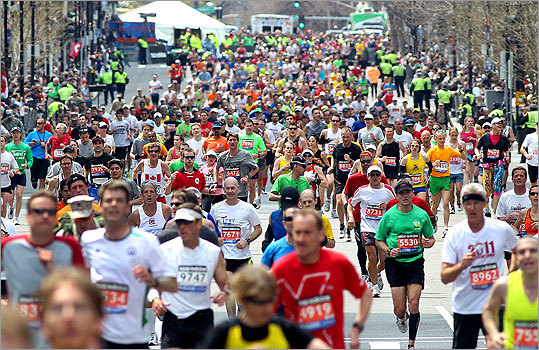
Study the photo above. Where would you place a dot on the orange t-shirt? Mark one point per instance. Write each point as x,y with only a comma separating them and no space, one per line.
443,155
372,74
218,146
67,209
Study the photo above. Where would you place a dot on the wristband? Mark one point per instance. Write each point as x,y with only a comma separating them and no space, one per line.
154,299
358,325
388,252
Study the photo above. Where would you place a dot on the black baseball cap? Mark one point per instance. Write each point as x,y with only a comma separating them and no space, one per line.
76,177
289,198
403,186
299,160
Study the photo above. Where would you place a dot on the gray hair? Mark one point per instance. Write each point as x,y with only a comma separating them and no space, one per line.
62,125
230,178
473,188
404,180
147,183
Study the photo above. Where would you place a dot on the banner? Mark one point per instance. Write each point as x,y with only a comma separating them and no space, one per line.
74,50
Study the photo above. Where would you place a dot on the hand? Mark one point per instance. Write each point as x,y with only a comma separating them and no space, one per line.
394,252
354,338
242,244
47,156
529,156
496,341
351,224
142,274
219,298
513,216
347,157
285,167
46,257
11,173
173,177
383,206
436,162
244,180
33,142
159,307
255,156
25,166
372,136
425,243
467,259
62,145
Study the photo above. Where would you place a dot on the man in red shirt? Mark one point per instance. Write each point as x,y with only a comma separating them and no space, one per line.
187,176
352,184
205,125
311,282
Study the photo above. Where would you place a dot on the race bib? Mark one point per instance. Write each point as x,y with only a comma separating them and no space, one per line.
232,173
408,244
316,313
331,148
29,309
483,276
115,297
416,179
535,152
97,170
493,153
391,161
209,179
4,169
469,146
374,213
522,230
231,234
247,144
525,335
442,167
192,278
171,127
58,153
345,166
455,160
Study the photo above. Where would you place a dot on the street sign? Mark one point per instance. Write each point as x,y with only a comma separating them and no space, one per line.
206,9
520,99
489,65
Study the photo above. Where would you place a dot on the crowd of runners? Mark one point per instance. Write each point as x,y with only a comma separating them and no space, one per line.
142,203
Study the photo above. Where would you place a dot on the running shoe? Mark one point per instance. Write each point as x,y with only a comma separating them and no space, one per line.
334,214
402,323
17,221
375,291
365,277
34,184
380,281
11,212
348,237
452,210
459,206
326,206
257,203
445,232
411,346
487,212
264,192
153,339
342,232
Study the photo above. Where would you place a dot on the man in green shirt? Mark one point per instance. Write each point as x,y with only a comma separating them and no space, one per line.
404,231
293,179
254,144
184,129
23,155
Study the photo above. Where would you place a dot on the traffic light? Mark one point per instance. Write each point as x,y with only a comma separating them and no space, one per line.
301,21
297,4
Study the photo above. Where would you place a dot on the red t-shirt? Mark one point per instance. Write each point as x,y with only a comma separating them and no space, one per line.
56,149
415,201
352,184
185,179
206,128
312,295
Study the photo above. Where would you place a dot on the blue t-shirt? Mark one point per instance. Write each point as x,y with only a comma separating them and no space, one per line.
275,251
358,125
38,151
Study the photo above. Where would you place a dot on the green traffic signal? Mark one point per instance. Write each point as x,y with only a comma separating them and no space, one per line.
296,4
301,25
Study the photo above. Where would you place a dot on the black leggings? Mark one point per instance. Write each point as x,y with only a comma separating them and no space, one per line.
361,253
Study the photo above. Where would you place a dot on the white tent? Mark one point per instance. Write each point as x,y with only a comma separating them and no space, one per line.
172,15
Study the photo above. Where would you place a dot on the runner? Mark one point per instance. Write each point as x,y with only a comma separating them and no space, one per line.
301,292
456,170
518,292
154,169
123,263
187,314
254,144
472,259
372,199
96,167
281,166
526,223
469,136
403,233
295,179
57,143
530,150
284,245
390,152
37,140
187,176
152,215
239,225
329,138
418,166
8,169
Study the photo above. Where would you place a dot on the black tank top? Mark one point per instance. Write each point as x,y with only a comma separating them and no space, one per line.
392,153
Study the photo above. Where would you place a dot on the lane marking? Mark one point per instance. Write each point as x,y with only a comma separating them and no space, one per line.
385,345
446,315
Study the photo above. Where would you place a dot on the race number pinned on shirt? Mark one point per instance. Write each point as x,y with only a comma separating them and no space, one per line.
455,160
231,234
469,146
493,153
408,243
115,297
29,308
416,179
442,167
58,153
316,313
374,212
97,170
331,148
483,276
247,144
391,161
192,278
232,172
345,166
525,335
4,169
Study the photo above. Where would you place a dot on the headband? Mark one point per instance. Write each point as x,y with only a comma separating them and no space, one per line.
473,196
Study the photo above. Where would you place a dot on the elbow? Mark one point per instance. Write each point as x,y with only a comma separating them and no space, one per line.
445,278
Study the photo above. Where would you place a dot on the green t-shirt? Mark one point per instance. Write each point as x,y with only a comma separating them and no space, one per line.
183,127
286,180
178,164
405,228
22,154
252,143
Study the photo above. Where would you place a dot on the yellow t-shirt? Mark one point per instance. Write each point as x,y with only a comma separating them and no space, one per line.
443,155
327,227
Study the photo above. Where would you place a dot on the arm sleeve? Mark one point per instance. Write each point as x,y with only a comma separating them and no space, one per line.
296,336
76,250
428,230
29,157
501,209
327,228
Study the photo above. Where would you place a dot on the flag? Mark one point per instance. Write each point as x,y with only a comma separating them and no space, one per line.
75,49
4,83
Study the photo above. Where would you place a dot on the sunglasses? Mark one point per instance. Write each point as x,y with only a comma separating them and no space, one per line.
293,128
65,164
153,151
256,301
534,194
288,218
375,174
50,212
40,123
308,155
189,157
176,204
365,161
184,222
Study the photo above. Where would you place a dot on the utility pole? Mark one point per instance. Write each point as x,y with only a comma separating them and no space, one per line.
33,43
21,47
6,41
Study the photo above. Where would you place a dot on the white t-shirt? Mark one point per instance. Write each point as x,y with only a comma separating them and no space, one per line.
530,143
154,86
196,268
275,129
111,264
120,131
395,111
236,223
489,244
510,202
197,145
370,199
7,163
405,137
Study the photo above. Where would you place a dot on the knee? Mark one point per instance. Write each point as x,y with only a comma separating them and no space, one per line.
399,310
413,305
371,254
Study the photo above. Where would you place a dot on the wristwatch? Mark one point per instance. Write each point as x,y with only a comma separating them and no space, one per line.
388,253
358,325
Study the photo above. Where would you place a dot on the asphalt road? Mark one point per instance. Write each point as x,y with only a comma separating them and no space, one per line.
381,332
